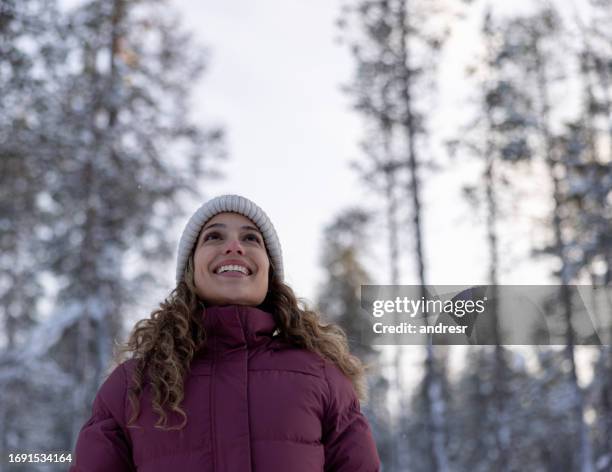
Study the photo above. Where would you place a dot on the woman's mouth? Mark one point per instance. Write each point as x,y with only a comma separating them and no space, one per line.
233,270
232,274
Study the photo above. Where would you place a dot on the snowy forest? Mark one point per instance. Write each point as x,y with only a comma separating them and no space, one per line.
98,150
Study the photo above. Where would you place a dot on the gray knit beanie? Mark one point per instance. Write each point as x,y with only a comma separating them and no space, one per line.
234,204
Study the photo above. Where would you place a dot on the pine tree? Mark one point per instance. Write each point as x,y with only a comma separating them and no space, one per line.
396,48
345,240
118,155
532,48
30,44
345,244
588,146
498,137
372,91
31,51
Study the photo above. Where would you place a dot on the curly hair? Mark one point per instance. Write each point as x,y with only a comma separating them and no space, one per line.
164,344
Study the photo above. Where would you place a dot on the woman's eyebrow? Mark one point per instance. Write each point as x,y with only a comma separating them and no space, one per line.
251,228
213,225
222,225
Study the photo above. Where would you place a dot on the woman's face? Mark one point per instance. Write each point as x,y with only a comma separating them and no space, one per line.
231,264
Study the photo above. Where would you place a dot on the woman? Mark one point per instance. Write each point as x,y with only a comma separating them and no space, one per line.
229,374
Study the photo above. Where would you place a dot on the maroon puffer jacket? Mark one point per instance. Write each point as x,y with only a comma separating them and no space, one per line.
252,404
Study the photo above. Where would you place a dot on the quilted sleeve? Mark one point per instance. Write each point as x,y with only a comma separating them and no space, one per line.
347,437
103,444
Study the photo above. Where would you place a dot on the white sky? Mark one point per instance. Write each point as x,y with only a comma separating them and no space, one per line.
273,81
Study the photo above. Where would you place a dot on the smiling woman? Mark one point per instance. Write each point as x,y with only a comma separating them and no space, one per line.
231,263
250,380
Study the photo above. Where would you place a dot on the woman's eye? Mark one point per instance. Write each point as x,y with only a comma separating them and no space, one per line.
209,236
215,235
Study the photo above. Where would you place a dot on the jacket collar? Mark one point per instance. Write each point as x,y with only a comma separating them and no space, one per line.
236,326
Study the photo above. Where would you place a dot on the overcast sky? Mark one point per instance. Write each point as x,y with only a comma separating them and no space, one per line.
273,82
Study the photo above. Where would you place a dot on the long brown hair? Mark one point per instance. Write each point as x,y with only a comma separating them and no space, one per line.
165,343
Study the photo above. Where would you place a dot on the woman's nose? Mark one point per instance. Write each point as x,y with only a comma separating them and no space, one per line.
233,245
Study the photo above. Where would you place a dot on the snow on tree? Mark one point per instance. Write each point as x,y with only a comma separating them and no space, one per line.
105,155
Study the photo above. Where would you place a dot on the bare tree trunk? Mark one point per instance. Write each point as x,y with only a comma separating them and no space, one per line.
604,365
604,77
502,437
499,378
586,458
390,170
433,383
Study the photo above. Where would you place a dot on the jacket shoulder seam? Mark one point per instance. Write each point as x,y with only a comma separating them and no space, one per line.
292,371
316,443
